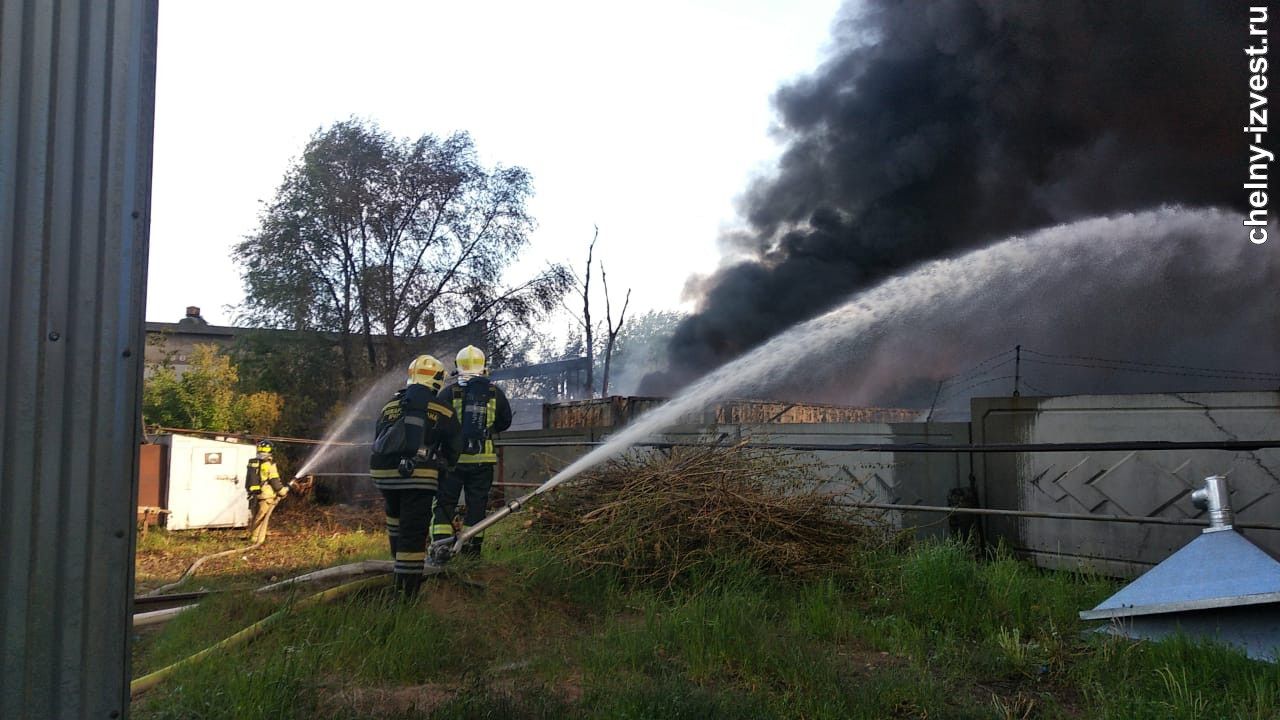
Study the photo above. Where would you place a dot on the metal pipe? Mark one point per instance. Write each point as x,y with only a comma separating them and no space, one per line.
439,546
441,549
366,474
155,617
249,436
1215,497
1237,445
1226,445
174,598
1189,522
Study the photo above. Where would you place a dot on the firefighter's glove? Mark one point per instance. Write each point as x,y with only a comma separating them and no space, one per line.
406,467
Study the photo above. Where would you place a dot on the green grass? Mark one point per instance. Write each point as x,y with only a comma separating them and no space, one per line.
164,556
928,632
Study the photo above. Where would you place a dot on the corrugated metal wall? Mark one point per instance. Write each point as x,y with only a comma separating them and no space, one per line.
77,86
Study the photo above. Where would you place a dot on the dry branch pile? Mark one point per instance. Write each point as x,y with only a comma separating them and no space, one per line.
658,515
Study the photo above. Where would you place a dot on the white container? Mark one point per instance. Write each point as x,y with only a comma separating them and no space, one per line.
206,482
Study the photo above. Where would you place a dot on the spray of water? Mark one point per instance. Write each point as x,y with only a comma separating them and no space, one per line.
1101,250
343,436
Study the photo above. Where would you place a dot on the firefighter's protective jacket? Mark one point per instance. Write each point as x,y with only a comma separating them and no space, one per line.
431,439
260,473
493,404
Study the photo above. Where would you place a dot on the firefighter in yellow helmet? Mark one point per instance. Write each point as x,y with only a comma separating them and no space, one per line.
262,483
482,410
416,439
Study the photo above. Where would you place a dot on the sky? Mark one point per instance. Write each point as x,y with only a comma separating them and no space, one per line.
647,120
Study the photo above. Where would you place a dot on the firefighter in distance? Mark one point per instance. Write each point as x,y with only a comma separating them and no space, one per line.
265,489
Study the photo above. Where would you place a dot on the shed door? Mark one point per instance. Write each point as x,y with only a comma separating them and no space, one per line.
216,496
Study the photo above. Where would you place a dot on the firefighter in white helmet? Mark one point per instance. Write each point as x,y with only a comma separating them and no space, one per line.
415,441
482,409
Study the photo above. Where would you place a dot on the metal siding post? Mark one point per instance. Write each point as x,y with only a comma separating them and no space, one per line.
76,105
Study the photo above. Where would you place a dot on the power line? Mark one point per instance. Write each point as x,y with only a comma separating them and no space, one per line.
972,370
1034,389
948,392
958,392
1215,372
1149,372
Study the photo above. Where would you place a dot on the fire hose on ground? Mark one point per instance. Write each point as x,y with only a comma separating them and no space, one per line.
146,682
439,549
364,567
191,570
142,684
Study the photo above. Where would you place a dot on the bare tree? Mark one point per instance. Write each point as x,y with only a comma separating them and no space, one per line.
582,285
612,329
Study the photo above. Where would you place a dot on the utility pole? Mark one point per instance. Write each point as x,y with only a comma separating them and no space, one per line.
934,404
1017,369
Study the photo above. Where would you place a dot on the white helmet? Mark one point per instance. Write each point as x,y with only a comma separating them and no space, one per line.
470,360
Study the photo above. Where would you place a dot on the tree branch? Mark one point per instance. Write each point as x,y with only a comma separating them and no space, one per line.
613,331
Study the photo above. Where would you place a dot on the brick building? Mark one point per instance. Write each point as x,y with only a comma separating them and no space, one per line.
177,340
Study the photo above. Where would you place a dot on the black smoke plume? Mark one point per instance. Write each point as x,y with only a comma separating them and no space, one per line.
937,126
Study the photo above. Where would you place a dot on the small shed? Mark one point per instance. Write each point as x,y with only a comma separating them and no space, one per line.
198,481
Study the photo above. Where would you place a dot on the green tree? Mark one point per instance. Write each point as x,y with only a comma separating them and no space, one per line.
206,396
259,412
304,368
369,234
162,399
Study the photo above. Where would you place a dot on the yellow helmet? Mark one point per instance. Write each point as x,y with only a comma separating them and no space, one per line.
426,370
470,360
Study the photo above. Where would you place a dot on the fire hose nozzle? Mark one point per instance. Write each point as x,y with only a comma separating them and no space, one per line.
441,551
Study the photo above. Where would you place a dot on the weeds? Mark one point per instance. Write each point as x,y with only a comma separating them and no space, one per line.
927,631
1183,701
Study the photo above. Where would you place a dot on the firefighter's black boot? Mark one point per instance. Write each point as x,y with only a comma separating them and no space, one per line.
408,585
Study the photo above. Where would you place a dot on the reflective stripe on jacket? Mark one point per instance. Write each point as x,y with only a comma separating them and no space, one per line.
431,439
